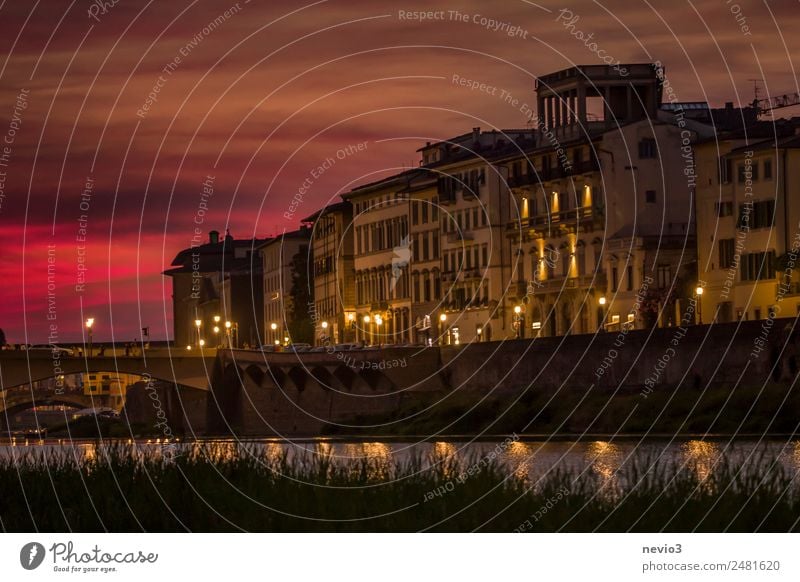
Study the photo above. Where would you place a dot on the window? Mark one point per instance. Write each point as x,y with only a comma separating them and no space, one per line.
650,196
424,212
742,173
425,247
563,201
723,209
647,148
435,245
629,276
664,276
768,169
725,170
756,214
758,266
415,214
726,250
754,170
614,279
762,214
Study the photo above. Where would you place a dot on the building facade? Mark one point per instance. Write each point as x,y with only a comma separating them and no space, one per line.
332,239
603,237
215,283
382,260
748,214
283,260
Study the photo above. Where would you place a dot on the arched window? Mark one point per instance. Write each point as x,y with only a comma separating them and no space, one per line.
550,261
580,258
566,259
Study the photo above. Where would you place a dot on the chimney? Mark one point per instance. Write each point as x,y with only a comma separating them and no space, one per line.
213,237
476,133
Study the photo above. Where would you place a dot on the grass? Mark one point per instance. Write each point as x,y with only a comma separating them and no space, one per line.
240,489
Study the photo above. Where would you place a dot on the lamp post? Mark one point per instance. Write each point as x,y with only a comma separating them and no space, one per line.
89,324
601,313
442,320
378,322
367,329
517,320
699,292
232,330
274,327
197,324
324,335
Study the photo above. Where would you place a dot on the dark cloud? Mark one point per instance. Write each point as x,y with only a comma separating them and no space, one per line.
258,105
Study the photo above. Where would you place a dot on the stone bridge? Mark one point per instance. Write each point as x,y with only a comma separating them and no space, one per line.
248,392
177,366
23,397
287,393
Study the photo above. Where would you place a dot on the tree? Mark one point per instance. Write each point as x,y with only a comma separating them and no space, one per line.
301,302
2,338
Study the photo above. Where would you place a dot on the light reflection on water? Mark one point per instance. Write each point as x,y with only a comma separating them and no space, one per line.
701,457
527,460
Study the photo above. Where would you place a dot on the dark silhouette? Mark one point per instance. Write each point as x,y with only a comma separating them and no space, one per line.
2,338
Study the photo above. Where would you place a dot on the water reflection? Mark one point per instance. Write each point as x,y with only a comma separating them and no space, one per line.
701,457
605,459
523,459
519,457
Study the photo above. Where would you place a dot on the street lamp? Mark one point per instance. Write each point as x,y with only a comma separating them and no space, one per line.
324,325
378,322
699,292
601,313
202,342
232,329
216,318
198,323
517,320
89,324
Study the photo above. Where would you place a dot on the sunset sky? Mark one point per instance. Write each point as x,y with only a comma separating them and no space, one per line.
260,96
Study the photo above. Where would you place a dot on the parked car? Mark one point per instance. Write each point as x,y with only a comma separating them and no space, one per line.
53,349
299,347
346,347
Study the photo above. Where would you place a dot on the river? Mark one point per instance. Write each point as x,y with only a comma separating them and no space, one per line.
529,457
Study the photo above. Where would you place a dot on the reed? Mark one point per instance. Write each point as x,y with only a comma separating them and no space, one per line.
239,488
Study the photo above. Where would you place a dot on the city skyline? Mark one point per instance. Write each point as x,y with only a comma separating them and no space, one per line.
116,122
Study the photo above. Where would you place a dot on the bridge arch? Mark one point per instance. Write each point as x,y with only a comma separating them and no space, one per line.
298,376
378,381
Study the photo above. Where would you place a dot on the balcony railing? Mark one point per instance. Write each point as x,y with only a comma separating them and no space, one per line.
558,283
554,219
460,235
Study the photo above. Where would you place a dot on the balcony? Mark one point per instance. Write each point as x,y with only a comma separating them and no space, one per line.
558,284
460,235
576,216
523,180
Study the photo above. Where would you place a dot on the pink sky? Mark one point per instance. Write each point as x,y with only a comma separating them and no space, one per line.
264,96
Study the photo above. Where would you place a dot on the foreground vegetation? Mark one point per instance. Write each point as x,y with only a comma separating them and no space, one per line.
238,489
